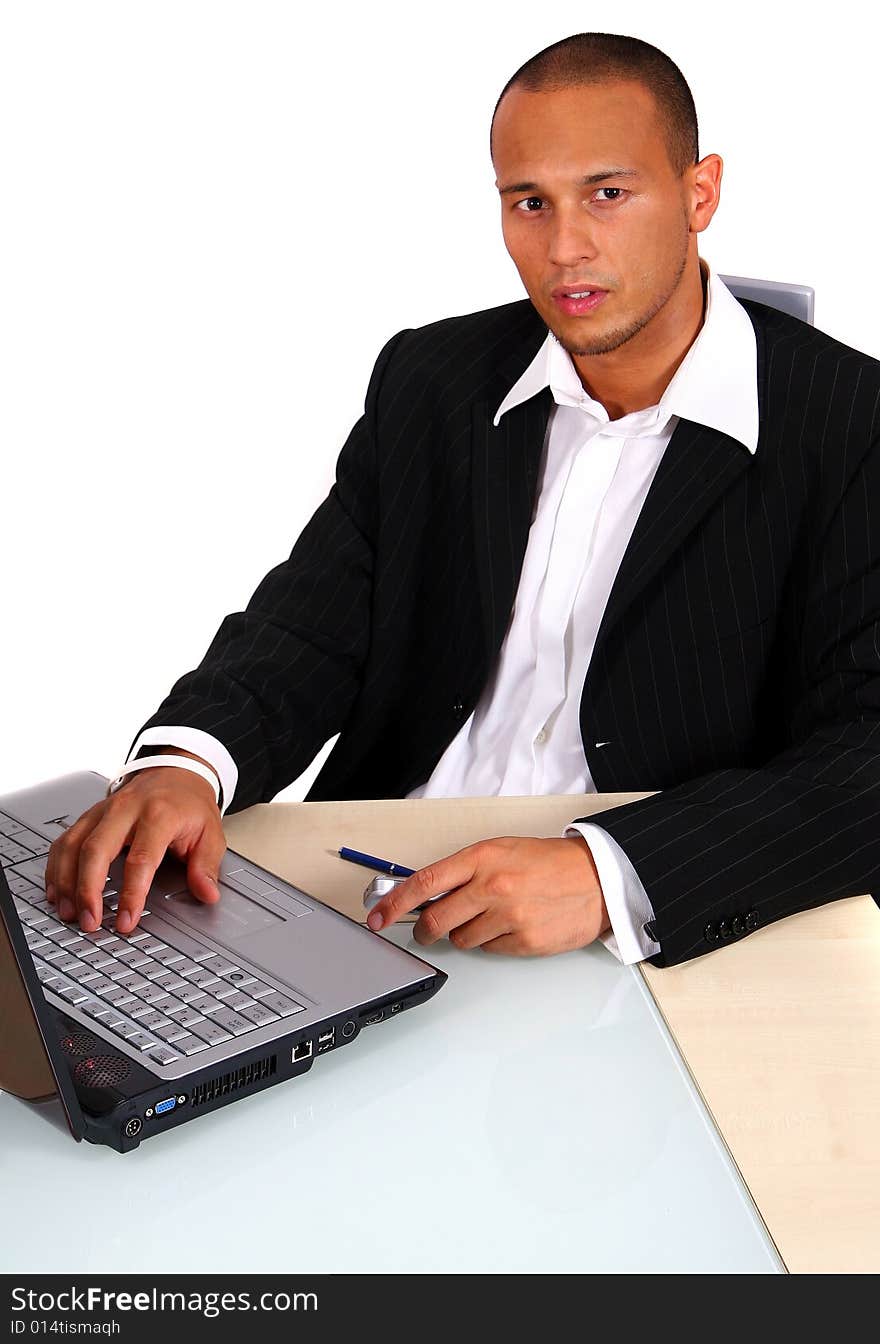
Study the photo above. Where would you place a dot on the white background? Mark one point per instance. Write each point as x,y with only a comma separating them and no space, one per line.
215,214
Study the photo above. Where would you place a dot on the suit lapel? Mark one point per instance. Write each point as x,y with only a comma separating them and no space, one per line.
699,465
505,460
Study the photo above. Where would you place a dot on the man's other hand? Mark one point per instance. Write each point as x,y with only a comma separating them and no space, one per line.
523,897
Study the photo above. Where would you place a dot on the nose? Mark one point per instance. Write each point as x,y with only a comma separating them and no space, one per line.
570,240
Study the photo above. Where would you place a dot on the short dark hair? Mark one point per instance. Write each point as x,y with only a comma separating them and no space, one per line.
600,58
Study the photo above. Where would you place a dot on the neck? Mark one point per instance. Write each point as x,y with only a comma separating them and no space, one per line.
637,373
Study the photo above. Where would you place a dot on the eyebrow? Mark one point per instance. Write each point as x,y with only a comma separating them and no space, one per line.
589,181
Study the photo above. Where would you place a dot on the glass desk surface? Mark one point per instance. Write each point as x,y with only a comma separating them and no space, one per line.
535,1116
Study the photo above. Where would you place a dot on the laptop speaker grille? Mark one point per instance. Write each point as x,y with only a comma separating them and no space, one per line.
236,1080
101,1070
80,1043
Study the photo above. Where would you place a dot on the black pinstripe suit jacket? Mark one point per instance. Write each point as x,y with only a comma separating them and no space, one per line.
736,669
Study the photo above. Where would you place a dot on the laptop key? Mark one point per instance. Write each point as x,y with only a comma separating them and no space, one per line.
237,1000
180,942
169,1032
71,939
116,971
189,1045
127,979
89,952
141,1040
150,944
280,1004
223,991
193,995
232,1021
162,1054
32,917
259,1014
126,953
118,994
258,989
101,962
101,985
56,954
152,970
148,1019
155,994
65,962
186,967
100,937
173,983
114,1022
211,1032
202,976
168,956
72,993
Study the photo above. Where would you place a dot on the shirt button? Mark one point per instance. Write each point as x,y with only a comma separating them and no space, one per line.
540,737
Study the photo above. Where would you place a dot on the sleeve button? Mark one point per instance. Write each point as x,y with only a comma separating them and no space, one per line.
739,924
724,929
752,919
710,933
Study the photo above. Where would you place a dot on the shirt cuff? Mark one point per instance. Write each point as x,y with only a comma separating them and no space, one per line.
200,744
625,898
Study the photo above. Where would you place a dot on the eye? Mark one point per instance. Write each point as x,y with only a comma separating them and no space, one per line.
619,191
526,201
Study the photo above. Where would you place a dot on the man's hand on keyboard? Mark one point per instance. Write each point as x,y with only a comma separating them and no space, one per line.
156,810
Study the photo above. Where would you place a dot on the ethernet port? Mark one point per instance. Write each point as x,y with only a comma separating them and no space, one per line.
302,1051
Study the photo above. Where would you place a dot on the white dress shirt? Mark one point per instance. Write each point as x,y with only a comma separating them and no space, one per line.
524,736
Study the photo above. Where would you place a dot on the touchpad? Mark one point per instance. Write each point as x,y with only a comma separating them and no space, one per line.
230,918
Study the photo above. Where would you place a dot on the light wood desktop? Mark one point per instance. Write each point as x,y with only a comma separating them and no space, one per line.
780,1031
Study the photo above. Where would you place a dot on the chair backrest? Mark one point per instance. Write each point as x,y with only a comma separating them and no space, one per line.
797,300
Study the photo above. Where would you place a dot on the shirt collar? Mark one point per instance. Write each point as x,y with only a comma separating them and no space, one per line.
716,383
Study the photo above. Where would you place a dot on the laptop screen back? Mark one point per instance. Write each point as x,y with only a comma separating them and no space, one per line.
26,1025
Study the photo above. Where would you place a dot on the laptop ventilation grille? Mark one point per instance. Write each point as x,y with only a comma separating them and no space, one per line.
234,1081
101,1070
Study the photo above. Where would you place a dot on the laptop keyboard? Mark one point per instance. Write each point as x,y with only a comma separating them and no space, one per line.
167,996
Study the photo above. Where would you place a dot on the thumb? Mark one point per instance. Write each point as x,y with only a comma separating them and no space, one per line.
203,867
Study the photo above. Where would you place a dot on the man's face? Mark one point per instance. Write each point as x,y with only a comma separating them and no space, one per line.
629,234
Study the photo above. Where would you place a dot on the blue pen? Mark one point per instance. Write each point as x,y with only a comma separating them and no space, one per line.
370,861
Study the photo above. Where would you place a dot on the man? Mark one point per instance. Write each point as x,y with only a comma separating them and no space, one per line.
616,536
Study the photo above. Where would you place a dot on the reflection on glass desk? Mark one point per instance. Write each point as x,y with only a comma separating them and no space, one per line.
536,1116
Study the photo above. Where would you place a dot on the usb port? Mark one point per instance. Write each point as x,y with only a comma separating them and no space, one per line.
302,1051
326,1040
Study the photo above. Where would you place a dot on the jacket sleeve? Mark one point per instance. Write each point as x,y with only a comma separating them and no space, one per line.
736,849
279,678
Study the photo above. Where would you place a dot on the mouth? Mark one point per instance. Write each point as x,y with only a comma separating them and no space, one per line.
576,299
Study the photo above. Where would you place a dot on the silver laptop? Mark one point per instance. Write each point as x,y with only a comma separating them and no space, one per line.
201,1003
